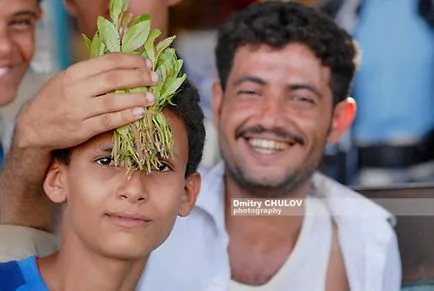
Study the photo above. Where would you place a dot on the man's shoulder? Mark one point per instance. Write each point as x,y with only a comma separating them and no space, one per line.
345,203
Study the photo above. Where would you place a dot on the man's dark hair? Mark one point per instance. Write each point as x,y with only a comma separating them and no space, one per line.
187,108
278,24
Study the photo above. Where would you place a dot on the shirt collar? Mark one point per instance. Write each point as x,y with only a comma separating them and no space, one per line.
341,200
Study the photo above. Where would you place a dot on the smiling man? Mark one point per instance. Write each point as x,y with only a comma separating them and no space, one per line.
284,76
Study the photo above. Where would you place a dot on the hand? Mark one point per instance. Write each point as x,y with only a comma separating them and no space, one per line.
76,104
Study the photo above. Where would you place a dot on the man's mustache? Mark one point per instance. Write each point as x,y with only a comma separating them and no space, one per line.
277,131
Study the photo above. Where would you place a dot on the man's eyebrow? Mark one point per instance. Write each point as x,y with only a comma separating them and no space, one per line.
26,13
251,79
301,86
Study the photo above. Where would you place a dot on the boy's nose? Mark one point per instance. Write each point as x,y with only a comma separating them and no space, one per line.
133,189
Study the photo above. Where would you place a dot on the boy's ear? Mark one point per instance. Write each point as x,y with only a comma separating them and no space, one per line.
191,192
343,116
55,182
217,97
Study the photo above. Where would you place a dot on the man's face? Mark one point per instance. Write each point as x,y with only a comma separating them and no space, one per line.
86,12
17,44
117,216
273,118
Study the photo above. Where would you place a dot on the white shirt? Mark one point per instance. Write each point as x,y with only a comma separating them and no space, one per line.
195,257
309,258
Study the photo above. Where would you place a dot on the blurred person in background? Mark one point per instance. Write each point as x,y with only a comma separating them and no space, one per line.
86,12
17,45
394,129
43,126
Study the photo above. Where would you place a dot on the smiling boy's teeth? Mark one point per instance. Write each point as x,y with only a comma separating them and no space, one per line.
267,146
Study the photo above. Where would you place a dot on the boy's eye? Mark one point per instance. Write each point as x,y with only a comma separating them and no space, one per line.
105,161
163,168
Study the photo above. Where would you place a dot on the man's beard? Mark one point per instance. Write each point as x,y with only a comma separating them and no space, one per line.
287,188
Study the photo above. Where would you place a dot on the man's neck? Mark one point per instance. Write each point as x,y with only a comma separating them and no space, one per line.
76,267
274,229
260,245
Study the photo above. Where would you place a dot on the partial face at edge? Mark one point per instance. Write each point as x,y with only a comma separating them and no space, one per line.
116,216
87,12
17,44
275,117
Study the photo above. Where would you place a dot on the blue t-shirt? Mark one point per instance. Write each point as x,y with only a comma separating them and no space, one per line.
21,276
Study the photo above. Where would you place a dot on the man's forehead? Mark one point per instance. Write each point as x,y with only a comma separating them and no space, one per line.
8,7
293,62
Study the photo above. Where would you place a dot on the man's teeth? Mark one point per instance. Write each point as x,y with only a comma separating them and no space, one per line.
4,70
266,146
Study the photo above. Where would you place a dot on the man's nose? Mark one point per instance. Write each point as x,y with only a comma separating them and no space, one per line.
272,112
6,41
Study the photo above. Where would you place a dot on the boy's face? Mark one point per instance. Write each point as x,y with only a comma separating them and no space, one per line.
86,12
17,43
116,216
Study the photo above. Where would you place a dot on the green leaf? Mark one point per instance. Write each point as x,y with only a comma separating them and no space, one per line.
135,36
142,18
109,35
97,47
87,41
149,45
162,45
174,86
116,9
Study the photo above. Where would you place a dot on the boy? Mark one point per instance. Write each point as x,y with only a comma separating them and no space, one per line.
111,223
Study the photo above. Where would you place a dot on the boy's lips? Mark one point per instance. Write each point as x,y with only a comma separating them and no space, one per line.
128,219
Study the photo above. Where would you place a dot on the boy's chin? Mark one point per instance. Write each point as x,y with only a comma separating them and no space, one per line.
127,250
126,253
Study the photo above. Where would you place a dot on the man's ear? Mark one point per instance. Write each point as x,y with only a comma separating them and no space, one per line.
343,116
191,192
172,2
217,98
71,7
55,182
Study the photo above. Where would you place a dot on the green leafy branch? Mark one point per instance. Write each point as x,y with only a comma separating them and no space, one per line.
143,144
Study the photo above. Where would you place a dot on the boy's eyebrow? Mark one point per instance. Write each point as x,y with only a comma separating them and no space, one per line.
105,148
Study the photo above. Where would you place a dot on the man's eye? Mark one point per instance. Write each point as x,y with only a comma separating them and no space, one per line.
247,92
22,23
303,99
105,161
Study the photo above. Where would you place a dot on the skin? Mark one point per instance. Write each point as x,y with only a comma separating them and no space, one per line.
86,12
111,223
282,99
17,44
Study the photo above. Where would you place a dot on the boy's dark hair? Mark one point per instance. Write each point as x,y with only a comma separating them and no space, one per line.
187,108
277,24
